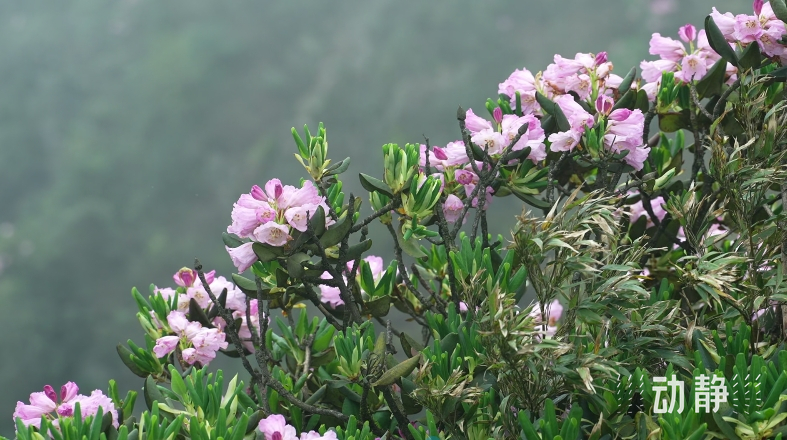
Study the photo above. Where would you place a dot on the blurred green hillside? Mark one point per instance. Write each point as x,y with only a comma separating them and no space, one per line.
129,128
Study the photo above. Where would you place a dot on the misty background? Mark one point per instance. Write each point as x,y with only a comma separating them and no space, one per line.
128,128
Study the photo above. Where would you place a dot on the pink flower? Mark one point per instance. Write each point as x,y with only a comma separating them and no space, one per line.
452,208
242,256
275,427
725,22
564,141
46,403
747,28
165,345
328,294
638,210
273,234
88,406
687,33
533,137
475,123
577,117
314,435
454,154
185,277
521,81
688,66
667,48
624,132
489,191
554,311
604,104
490,140
465,177
651,70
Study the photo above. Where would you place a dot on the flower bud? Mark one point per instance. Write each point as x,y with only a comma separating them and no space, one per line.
258,194
440,153
185,277
757,7
601,58
50,393
497,113
687,33
604,104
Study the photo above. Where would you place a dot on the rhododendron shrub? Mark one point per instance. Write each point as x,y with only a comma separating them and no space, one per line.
660,251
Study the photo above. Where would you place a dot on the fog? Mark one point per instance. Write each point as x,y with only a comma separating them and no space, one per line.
129,128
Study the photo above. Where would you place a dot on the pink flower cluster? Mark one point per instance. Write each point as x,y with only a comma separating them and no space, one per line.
554,312
457,175
187,279
763,27
330,295
587,76
51,405
275,427
269,216
198,344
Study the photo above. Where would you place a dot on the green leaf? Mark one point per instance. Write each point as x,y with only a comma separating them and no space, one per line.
317,221
533,201
410,246
265,252
410,345
751,58
625,85
152,393
230,240
779,9
125,356
672,122
372,184
246,285
337,168
711,84
718,43
294,264
336,233
377,307
401,370
628,100
357,250
546,104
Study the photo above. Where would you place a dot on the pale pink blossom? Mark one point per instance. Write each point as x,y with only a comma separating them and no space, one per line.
624,132
667,48
553,311
465,177
452,208
533,137
476,123
454,154
165,345
747,28
564,140
524,82
242,256
578,118
314,435
273,234
489,191
48,405
638,210
275,427
330,295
